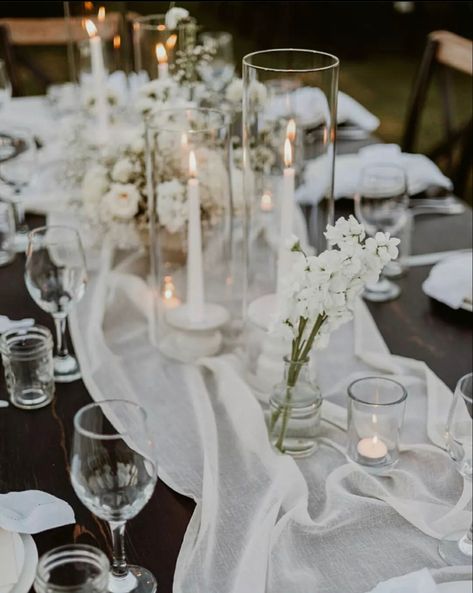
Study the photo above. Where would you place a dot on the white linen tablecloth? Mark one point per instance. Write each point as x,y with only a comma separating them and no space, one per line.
265,523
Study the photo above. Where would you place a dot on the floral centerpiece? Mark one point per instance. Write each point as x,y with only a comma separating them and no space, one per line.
318,297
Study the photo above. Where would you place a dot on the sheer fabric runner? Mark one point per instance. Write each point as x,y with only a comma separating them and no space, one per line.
263,522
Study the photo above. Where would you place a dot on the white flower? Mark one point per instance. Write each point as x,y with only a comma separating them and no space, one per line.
121,201
234,92
174,16
123,170
171,205
384,246
345,230
94,185
257,95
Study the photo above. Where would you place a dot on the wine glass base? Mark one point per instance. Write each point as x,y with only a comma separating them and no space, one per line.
389,292
455,551
138,580
66,369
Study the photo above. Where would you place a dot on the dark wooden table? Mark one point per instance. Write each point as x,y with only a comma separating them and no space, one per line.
34,446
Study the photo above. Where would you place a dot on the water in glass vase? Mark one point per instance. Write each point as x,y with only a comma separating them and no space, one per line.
295,409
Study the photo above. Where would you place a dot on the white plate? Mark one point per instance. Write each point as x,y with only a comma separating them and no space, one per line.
29,567
458,587
17,548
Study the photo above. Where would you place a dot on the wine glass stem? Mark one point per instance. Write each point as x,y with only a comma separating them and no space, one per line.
61,344
119,565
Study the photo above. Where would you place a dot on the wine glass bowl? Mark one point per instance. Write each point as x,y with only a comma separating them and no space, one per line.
381,205
114,473
456,548
55,276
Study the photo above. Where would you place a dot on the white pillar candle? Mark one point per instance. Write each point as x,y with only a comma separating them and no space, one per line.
372,448
287,210
195,276
99,78
162,58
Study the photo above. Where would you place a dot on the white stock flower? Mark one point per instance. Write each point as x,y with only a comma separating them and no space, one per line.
257,95
174,16
171,205
121,201
94,185
234,92
384,246
123,170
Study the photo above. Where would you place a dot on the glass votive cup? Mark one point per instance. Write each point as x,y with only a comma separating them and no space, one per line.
74,568
7,233
27,356
375,415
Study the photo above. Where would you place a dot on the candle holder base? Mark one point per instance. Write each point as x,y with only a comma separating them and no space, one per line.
262,310
188,346
213,317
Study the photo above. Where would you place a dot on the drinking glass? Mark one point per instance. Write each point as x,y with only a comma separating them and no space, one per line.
219,71
6,146
456,548
114,473
7,234
55,276
75,568
17,172
381,204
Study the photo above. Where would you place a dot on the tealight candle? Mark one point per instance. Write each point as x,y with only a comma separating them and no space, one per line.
372,448
170,300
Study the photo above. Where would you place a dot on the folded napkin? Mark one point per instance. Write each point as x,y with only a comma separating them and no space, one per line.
451,280
6,324
414,582
310,107
421,172
33,511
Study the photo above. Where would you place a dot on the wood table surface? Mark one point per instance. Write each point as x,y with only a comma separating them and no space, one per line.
35,446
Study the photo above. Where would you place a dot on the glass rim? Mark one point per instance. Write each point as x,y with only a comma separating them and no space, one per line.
38,331
42,229
248,64
166,128
377,404
75,550
459,387
104,437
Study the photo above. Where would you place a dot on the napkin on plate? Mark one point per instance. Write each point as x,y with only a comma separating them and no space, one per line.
7,324
309,105
451,280
33,511
414,582
421,172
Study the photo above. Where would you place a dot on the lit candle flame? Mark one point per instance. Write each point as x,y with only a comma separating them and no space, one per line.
117,41
161,54
192,164
171,41
291,130
88,6
169,288
101,14
90,28
287,153
266,202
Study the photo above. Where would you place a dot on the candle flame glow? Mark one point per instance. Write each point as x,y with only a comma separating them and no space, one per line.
266,202
88,6
287,153
375,439
161,54
291,130
171,41
374,419
192,164
90,28
169,288
117,41
101,14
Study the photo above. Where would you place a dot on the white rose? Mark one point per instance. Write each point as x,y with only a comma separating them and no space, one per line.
122,170
234,92
122,201
174,16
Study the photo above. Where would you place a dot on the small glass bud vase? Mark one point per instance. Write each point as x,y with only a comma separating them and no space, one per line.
295,408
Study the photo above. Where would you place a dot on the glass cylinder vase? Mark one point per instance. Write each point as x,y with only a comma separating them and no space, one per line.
286,92
295,410
196,234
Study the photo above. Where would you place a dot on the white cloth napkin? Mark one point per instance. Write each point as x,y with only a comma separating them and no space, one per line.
415,582
309,105
33,511
451,280
421,172
6,324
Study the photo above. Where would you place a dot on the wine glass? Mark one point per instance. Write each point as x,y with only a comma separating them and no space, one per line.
114,473
456,548
55,276
17,172
219,71
381,204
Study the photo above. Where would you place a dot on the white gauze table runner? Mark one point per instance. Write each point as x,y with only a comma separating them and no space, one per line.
265,523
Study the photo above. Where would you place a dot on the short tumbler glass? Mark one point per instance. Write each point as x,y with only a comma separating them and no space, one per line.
75,568
27,356
375,415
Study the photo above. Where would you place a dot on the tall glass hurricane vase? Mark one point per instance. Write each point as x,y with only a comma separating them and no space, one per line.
196,234
114,472
286,92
